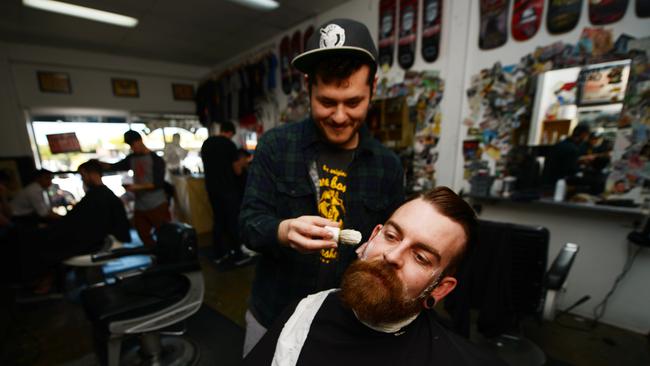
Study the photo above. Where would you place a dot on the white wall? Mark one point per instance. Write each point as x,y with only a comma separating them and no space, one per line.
603,251
90,75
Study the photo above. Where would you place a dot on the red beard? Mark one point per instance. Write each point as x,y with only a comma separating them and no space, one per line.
376,294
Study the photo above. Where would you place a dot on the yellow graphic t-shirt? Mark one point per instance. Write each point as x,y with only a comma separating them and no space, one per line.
331,203
332,167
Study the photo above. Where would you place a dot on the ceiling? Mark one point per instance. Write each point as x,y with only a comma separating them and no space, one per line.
198,32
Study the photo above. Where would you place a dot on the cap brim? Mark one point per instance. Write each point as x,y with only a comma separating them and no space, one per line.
306,61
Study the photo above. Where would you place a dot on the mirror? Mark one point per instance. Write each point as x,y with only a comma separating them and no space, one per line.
591,97
592,94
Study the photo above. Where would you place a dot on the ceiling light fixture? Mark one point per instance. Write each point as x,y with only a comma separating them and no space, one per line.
258,4
82,12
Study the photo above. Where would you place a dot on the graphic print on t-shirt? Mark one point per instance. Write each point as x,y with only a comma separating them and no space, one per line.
331,203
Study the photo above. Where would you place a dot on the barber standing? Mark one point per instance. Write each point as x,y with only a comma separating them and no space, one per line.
324,171
151,207
223,170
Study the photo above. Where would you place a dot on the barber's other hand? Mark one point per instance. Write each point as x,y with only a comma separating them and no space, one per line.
306,233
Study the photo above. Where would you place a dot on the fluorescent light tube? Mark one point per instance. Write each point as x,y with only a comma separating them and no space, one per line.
258,4
82,12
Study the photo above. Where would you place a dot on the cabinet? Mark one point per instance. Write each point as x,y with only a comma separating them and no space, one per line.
389,122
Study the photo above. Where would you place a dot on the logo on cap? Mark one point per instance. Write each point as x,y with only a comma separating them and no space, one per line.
332,36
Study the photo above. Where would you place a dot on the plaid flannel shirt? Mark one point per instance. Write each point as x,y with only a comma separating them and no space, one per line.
279,187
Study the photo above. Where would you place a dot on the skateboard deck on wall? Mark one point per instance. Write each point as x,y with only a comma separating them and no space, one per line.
431,29
305,37
642,8
387,13
285,65
562,15
526,18
296,49
408,29
603,12
493,32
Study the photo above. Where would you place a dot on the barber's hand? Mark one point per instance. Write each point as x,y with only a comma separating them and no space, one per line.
306,234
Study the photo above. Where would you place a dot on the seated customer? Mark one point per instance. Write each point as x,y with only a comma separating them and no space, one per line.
81,231
99,213
382,313
32,203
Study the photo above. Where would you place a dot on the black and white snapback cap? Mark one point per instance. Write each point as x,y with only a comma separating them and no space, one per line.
340,37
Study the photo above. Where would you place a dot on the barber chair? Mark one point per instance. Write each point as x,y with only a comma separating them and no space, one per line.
151,305
506,281
88,271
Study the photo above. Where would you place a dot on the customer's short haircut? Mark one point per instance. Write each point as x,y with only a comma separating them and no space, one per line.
451,205
580,129
336,69
91,166
131,136
227,126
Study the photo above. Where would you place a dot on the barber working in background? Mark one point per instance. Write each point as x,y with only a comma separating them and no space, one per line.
382,314
324,171
224,167
151,207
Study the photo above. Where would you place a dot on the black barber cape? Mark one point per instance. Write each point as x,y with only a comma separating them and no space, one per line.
337,338
84,228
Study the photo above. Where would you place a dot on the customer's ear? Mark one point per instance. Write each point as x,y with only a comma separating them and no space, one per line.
446,285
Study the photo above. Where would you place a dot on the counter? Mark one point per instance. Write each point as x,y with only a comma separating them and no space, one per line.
191,201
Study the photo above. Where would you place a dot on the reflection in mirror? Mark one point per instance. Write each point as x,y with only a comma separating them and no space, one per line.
575,122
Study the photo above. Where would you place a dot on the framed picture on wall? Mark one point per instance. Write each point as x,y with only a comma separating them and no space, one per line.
54,82
125,88
183,91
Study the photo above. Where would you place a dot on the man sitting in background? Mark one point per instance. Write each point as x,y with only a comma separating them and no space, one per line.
32,203
382,313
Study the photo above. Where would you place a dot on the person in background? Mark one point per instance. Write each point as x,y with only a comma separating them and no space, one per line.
32,203
174,155
383,313
151,205
563,159
223,167
99,213
324,171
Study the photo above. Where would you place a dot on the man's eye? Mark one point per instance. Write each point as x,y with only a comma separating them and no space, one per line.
391,237
422,259
352,104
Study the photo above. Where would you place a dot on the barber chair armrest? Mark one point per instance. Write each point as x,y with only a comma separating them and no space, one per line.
119,253
557,274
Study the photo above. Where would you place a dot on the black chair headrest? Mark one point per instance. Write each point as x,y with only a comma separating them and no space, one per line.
176,244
